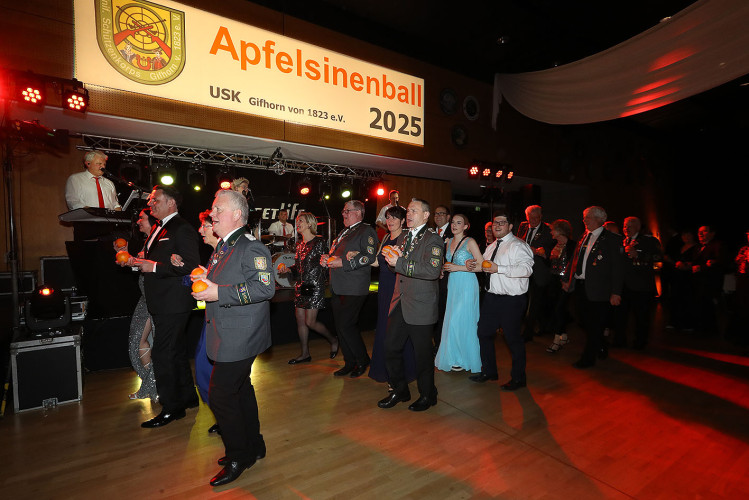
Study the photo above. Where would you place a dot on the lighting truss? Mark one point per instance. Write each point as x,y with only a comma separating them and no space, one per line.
153,150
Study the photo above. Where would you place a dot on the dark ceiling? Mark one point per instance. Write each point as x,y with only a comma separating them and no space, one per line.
481,38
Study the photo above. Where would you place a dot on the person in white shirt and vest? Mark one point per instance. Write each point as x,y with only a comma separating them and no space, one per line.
509,263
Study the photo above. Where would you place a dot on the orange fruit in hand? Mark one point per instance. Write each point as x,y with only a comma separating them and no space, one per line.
486,264
199,286
122,256
197,271
330,260
120,242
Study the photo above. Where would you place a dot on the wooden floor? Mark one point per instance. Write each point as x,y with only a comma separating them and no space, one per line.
669,423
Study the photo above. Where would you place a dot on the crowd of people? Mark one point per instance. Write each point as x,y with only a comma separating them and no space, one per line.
442,298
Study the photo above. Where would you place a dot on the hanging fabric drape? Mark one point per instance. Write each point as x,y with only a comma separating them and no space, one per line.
701,47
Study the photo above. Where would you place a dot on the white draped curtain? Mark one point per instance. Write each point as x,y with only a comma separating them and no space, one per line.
701,47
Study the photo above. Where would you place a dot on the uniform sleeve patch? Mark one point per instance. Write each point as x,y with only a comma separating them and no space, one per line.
264,278
436,251
435,262
260,263
363,260
370,240
410,267
243,293
370,250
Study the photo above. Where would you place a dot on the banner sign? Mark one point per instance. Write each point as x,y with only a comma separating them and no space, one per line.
169,50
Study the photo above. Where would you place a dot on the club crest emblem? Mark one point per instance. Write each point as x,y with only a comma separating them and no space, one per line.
260,263
264,278
143,41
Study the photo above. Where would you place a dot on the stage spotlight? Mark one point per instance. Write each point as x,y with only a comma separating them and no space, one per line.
196,178
47,309
165,174
75,100
380,190
346,189
509,176
498,175
304,186
473,172
486,172
326,188
31,91
224,178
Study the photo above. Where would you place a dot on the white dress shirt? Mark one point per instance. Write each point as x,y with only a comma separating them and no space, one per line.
381,216
514,261
593,238
441,230
80,191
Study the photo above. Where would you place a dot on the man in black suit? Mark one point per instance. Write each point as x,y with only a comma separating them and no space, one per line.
350,262
537,235
707,271
597,281
237,318
442,224
169,303
641,251
413,309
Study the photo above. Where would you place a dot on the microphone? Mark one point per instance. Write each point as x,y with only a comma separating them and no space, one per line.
109,175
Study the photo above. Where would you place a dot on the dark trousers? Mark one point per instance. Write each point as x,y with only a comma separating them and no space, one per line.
346,309
641,306
593,315
171,365
537,310
441,306
234,405
506,312
398,332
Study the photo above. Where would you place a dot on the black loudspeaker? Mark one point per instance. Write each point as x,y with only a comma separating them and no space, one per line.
105,343
57,273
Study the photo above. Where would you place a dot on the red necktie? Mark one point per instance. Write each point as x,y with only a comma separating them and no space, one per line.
284,230
98,192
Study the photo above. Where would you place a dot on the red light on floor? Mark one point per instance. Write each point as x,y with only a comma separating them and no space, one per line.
46,291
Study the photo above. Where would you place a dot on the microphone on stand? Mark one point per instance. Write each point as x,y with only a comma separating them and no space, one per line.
109,175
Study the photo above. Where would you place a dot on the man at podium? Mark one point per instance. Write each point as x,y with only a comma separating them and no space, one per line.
90,188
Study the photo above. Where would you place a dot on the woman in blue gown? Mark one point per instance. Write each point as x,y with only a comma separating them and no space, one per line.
395,218
459,347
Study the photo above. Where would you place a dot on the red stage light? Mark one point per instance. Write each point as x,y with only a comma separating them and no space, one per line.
473,172
486,172
75,100
46,291
510,175
225,184
380,190
498,175
32,94
304,191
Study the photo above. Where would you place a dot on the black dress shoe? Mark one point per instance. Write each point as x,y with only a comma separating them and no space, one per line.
582,364
162,419
423,403
513,385
344,371
393,399
260,455
230,472
333,354
297,361
214,429
482,377
359,370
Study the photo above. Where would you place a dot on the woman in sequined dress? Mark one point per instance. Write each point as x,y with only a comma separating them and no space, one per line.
561,261
309,291
141,329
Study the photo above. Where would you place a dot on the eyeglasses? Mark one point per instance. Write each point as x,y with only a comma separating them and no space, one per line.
440,213
347,210
500,223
